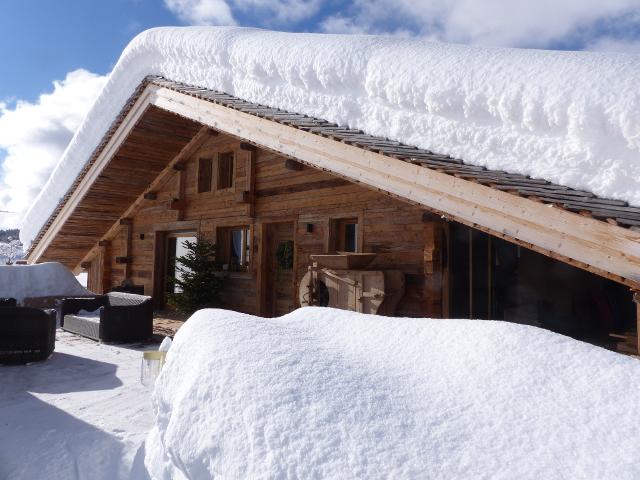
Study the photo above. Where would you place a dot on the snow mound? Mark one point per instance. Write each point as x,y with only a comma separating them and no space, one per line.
40,280
570,117
324,393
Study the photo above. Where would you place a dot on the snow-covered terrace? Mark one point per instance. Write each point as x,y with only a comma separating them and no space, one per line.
324,393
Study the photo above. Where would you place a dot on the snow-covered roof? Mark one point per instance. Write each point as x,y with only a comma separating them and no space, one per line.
568,117
323,393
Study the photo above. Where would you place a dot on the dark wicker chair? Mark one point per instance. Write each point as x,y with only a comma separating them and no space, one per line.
8,302
120,317
26,334
137,289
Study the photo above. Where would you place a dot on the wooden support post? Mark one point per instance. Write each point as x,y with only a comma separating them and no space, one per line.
127,259
104,262
179,202
432,293
245,191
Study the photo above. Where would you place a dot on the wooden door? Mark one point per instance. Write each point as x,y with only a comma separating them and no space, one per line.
279,272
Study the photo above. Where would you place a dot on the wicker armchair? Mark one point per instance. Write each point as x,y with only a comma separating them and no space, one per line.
118,317
8,302
26,334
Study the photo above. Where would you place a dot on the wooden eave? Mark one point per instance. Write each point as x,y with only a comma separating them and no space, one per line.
155,139
596,234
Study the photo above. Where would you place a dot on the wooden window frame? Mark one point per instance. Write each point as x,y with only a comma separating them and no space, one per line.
204,180
337,233
224,245
230,180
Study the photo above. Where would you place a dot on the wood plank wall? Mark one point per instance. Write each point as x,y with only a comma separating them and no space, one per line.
397,231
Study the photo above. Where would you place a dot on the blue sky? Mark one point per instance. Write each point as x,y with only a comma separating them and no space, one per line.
42,40
56,54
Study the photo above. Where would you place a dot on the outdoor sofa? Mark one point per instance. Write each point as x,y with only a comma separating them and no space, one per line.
114,317
8,302
26,334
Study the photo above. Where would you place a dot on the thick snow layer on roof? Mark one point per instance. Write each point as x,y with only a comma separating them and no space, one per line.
324,393
50,279
569,117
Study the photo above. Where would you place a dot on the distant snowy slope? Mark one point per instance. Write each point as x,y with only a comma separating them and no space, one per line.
569,117
330,394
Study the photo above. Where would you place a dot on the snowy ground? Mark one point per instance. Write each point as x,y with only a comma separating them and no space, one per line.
323,393
82,414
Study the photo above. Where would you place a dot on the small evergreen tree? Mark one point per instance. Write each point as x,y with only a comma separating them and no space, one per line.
200,279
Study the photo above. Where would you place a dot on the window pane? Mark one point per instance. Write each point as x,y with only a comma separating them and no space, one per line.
351,237
236,246
247,256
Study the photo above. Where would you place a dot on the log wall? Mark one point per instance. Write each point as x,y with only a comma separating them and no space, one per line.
269,188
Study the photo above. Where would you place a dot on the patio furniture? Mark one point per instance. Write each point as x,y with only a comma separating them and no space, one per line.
137,289
114,317
7,302
26,334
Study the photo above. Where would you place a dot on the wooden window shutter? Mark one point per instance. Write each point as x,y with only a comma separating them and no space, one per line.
204,174
225,170
244,164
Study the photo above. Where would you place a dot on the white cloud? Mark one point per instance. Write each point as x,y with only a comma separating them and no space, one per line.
202,12
34,135
608,44
529,23
221,12
282,10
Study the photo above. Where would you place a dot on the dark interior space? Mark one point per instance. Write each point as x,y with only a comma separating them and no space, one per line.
491,278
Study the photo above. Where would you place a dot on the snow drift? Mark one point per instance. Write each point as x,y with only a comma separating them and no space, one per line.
39,280
324,393
569,117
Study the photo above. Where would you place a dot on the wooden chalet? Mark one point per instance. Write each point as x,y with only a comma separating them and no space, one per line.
446,239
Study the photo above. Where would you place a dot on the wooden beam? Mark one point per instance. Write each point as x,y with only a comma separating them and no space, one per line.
179,167
608,250
150,196
124,261
110,149
104,243
85,265
128,247
177,204
126,221
203,134
248,146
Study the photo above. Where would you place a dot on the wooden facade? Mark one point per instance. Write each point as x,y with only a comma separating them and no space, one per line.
278,202
178,164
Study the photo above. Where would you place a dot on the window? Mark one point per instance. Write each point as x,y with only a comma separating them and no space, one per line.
225,171
345,235
234,247
204,174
